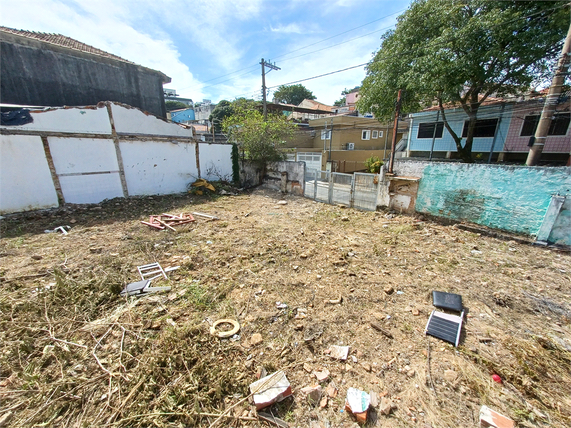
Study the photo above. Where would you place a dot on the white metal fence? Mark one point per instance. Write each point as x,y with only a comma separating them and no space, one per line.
357,190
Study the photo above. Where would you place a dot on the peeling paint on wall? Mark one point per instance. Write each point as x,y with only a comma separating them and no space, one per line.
504,197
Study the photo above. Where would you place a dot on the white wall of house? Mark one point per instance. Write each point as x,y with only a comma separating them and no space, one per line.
84,162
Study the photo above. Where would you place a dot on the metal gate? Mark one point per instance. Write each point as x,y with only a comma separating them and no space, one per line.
357,190
365,191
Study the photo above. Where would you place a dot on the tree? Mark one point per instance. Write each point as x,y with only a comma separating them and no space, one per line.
222,110
293,94
343,100
175,105
259,141
461,52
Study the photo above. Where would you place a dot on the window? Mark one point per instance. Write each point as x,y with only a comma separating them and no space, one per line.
365,134
427,130
484,128
326,134
375,134
380,134
559,125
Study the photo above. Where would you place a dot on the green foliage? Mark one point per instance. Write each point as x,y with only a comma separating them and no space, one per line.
373,164
343,100
222,110
175,105
259,140
340,102
293,94
462,52
348,91
235,164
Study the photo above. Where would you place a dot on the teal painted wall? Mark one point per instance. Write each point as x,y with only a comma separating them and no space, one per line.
511,198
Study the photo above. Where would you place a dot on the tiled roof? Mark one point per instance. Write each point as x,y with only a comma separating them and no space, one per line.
488,101
317,105
64,41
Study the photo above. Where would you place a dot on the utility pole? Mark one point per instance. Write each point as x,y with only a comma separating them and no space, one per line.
561,71
271,67
395,129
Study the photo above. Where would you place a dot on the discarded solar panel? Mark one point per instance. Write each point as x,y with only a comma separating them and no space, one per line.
450,301
446,326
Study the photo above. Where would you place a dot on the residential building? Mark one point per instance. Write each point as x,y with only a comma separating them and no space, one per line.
184,115
203,110
44,69
343,143
314,110
503,130
171,95
522,128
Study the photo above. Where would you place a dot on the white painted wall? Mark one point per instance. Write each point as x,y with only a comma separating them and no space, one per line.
216,161
134,121
80,155
91,189
87,121
86,156
25,179
158,168
88,168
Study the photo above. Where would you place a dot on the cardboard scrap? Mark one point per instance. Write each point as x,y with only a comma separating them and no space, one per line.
270,389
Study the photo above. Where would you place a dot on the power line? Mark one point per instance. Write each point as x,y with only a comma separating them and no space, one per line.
340,34
321,75
303,47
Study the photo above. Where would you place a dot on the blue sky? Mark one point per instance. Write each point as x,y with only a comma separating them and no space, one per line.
196,42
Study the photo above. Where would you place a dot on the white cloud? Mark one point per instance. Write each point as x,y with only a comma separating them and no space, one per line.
105,25
289,28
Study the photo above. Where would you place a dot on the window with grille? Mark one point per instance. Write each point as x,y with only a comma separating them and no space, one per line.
484,128
559,125
427,130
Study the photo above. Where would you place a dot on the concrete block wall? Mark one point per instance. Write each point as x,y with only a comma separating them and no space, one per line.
86,155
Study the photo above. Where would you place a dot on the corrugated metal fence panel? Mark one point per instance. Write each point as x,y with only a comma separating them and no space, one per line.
365,191
341,192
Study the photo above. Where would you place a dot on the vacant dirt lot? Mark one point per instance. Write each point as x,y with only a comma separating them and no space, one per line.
76,354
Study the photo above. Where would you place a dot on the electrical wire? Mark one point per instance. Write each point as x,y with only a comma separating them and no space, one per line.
303,47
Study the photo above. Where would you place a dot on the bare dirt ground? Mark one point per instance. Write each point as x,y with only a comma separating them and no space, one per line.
75,354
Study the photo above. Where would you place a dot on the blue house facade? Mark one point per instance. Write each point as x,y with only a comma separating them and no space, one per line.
428,135
183,115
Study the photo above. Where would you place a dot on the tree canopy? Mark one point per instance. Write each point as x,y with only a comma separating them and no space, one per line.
260,141
293,94
175,105
463,52
343,100
222,110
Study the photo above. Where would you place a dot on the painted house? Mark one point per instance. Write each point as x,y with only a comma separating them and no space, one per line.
44,69
522,128
503,131
343,143
184,115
